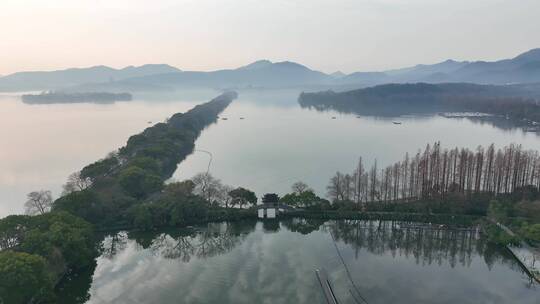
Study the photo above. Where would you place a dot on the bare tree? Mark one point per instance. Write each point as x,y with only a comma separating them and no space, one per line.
76,182
300,187
207,186
223,197
435,172
39,202
335,187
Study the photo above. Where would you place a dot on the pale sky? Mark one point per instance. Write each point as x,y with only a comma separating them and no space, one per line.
327,35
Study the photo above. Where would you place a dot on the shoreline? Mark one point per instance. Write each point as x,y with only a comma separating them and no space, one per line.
524,254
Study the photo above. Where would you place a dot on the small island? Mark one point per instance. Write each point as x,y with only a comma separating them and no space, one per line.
50,97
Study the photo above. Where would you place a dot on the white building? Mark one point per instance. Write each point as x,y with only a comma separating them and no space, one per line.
272,210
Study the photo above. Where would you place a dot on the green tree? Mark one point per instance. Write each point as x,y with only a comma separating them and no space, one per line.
24,277
290,199
142,217
179,189
189,211
84,204
147,163
139,182
61,235
99,168
306,199
241,196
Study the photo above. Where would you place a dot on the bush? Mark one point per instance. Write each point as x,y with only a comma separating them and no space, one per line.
498,236
531,232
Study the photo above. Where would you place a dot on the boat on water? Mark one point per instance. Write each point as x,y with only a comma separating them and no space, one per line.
396,122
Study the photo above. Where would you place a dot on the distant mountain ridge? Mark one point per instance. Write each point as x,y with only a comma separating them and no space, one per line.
262,73
41,80
524,68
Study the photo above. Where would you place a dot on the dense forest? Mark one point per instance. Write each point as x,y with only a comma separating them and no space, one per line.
60,97
515,102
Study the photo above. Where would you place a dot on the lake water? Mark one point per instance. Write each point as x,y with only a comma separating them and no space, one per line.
275,262
276,144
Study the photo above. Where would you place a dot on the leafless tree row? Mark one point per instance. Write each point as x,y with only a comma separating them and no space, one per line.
435,172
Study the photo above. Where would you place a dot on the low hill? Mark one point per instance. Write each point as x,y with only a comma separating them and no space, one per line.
518,101
39,81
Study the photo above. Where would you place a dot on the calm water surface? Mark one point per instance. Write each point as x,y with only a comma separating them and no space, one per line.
276,144
275,262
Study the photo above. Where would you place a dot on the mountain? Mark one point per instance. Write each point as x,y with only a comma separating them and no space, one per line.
35,81
262,73
338,74
256,65
520,69
367,78
421,72
524,68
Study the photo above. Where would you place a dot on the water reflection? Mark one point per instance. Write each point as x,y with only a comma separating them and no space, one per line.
408,111
215,240
427,244
274,262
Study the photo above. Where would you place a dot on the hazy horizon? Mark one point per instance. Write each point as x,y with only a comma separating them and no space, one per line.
346,35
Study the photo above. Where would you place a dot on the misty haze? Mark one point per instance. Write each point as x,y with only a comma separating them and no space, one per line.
370,151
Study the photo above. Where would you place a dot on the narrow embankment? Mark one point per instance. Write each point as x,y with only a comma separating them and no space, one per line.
527,256
137,172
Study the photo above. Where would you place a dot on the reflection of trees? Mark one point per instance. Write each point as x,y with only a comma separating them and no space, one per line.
214,239
271,225
426,243
112,244
75,287
302,225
